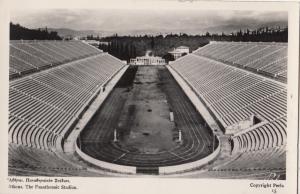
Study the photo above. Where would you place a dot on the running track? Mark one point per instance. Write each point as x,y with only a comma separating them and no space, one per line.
96,139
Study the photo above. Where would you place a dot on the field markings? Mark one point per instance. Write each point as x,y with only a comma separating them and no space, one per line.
177,155
185,114
119,157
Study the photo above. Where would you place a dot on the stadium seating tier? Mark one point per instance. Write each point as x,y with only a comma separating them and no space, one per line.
265,58
44,104
234,94
31,56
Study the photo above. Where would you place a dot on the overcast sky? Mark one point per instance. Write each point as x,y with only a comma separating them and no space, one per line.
128,21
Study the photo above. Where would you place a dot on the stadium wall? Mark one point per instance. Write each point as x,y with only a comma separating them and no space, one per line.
106,165
193,93
71,126
204,112
70,144
201,108
191,165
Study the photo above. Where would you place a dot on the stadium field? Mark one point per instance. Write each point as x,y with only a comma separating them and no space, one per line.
139,111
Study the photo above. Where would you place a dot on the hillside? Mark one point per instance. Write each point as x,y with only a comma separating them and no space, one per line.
18,32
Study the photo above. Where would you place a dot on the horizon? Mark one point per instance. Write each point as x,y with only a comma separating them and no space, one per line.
106,22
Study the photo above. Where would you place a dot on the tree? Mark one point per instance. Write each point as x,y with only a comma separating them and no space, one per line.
168,57
152,42
18,32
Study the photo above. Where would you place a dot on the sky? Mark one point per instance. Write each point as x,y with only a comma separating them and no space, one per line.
148,21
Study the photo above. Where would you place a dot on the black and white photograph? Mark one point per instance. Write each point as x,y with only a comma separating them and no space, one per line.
137,93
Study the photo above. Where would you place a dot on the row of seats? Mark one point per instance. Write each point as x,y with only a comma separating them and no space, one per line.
26,133
31,56
271,158
266,164
269,135
269,58
233,94
270,108
25,161
43,105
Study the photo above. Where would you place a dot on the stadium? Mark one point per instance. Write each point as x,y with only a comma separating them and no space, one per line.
218,112
202,97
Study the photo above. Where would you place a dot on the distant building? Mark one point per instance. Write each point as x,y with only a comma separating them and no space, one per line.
183,49
176,54
179,51
105,43
68,37
92,42
147,60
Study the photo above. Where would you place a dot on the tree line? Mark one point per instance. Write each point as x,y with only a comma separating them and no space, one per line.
18,32
264,34
159,45
126,47
121,50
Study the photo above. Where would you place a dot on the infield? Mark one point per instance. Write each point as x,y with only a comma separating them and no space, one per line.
139,111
